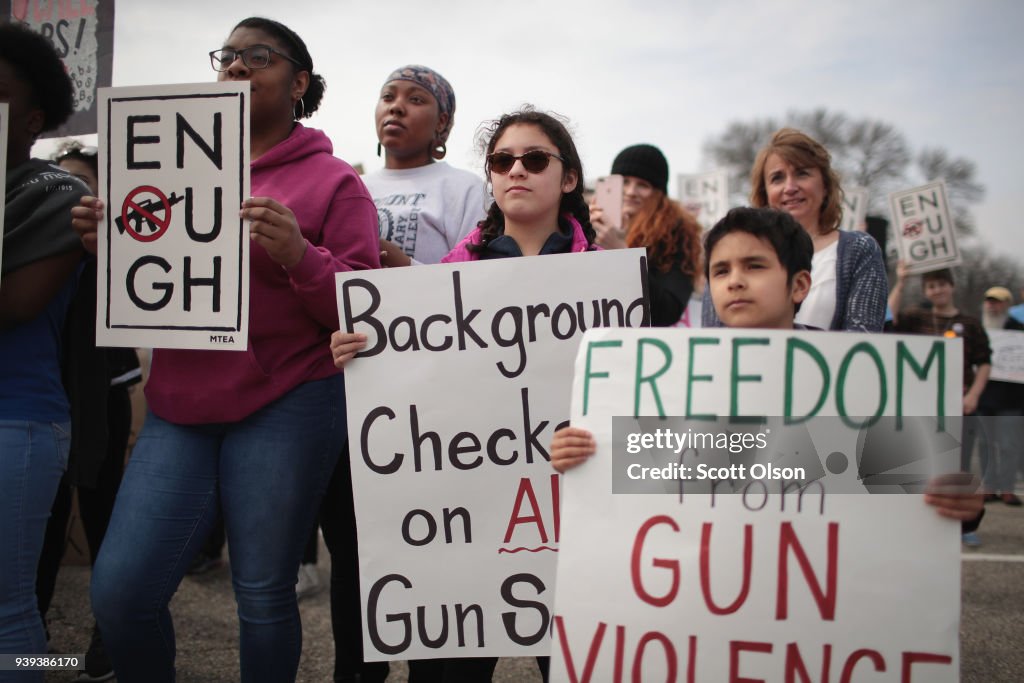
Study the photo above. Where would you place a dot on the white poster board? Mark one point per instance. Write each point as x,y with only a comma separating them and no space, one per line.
855,209
923,227
764,583
705,195
4,109
450,418
173,254
1007,355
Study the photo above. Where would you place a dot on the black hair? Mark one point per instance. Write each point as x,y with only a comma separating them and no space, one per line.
943,275
37,64
300,53
791,243
572,202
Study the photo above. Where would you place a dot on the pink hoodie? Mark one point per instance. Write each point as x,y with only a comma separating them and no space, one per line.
291,312
462,253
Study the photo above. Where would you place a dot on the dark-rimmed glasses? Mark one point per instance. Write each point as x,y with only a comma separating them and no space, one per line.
534,161
254,57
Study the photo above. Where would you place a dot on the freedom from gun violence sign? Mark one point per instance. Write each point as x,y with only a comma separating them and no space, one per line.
173,254
923,226
82,33
705,195
450,412
746,571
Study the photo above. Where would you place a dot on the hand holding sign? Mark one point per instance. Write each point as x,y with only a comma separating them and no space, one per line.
85,219
272,226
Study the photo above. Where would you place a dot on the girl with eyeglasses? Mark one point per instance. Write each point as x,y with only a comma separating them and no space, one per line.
651,219
537,181
253,435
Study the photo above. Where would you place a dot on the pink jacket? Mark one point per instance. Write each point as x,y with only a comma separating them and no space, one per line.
291,312
461,252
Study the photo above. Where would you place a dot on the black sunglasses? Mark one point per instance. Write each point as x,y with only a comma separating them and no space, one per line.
534,161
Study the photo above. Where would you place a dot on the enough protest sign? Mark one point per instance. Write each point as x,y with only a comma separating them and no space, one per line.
705,195
855,209
82,33
173,254
451,410
923,227
738,572
1007,355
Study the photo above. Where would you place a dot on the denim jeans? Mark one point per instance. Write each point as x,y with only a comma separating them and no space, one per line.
1001,449
33,456
266,474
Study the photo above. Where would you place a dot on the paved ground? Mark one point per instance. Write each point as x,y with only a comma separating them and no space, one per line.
992,631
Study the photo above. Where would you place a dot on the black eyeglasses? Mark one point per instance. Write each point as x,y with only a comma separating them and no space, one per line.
534,161
254,57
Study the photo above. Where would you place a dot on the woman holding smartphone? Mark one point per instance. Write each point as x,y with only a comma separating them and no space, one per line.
254,435
651,219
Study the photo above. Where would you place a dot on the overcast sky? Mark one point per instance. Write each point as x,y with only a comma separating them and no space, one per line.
669,72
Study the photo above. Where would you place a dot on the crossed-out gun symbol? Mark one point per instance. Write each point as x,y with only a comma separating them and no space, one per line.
136,219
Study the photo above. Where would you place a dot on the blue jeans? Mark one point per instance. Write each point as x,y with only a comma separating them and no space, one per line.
33,456
1001,449
266,474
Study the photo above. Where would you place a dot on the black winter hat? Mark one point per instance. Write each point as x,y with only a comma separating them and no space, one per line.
643,161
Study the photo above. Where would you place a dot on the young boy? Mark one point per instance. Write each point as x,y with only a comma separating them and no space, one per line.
758,266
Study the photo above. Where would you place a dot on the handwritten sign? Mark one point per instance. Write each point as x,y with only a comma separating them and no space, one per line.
173,253
82,33
923,227
768,580
451,413
1007,355
705,195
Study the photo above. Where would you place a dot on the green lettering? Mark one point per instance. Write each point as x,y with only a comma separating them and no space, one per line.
691,378
844,367
903,355
792,344
736,377
650,379
587,374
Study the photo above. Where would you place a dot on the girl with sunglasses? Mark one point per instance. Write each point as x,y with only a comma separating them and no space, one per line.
253,435
651,219
538,208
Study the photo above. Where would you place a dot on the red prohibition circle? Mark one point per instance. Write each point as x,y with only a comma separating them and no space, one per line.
130,205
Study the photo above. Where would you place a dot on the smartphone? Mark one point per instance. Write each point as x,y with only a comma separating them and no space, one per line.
608,197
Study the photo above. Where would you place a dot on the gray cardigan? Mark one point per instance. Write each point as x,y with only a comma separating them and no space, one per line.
861,287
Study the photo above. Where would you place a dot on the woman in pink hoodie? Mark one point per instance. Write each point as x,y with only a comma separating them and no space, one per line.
252,434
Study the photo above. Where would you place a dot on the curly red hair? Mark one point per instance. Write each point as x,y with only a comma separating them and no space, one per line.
670,233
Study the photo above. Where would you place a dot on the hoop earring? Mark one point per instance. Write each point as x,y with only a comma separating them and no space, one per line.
439,151
302,109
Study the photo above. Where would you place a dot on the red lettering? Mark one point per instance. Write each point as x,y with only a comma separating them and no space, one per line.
670,656
852,660
620,646
595,647
826,599
705,569
795,664
671,565
735,648
912,658
526,489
